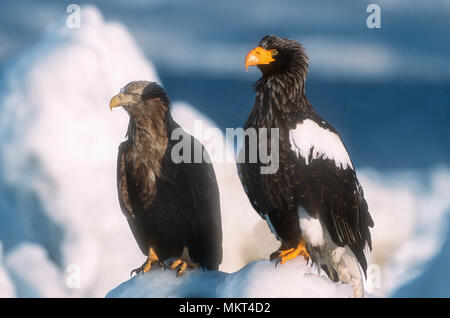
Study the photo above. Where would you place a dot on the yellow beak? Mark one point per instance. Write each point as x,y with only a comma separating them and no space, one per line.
258,56
116,101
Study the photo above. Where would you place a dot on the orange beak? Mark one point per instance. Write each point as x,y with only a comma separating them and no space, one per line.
258,56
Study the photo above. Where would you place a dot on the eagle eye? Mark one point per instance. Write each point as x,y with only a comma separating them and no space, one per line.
274,52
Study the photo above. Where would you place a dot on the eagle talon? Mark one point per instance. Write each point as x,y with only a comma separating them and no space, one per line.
282,256
133,271
181,265
138,270
144,268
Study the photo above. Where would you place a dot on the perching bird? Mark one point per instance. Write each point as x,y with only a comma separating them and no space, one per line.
314,203
172,208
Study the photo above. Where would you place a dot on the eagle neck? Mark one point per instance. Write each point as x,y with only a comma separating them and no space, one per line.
148,135
280,98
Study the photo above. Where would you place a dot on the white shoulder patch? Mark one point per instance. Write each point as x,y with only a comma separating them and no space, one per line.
323,142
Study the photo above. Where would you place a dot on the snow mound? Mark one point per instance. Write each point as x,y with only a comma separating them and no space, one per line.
58,150
257,279
410,211
34,274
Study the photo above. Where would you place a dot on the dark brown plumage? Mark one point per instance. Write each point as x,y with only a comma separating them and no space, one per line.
315,173
173,209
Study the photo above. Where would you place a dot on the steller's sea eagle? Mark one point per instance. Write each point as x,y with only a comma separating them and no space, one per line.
314,203
173,209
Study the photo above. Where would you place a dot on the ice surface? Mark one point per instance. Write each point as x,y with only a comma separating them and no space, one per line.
257,279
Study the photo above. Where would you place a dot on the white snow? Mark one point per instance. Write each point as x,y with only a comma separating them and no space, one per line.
257,279
7,289
410,212
34,274
309,136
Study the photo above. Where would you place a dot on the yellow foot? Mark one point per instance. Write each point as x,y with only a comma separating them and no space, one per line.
181,264
151,259
282,256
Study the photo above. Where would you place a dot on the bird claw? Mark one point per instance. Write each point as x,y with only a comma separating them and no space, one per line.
144,268
137,271
180,266
281,256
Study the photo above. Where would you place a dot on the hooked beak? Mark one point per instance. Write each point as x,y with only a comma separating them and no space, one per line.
258,56
116,101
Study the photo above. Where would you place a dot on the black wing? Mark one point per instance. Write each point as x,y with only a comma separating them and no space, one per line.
254,185
125,200
267,192
206,222
339,198
333,191
122,187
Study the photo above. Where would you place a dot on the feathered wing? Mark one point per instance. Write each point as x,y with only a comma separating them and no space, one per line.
341,206
206,222
124,197
331,189
316,173
122,187
254,188
255,184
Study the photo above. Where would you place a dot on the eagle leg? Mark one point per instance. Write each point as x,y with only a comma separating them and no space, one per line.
151,259
282,256
182,263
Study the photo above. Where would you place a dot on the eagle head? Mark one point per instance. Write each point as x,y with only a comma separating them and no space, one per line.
139,97
275,55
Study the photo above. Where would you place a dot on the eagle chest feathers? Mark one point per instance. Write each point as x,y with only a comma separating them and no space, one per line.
143,162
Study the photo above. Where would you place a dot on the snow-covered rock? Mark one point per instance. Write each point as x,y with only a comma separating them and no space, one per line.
257,279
